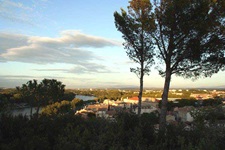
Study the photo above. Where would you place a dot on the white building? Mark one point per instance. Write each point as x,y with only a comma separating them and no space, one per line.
146,109
184,114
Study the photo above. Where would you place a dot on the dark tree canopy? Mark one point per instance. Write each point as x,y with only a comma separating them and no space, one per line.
53,89
135,27
43,93
190,36
190,39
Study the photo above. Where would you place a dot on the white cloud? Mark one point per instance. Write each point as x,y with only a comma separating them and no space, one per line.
89,68
8,40
68,48
9,3
15,11
84,40
82,68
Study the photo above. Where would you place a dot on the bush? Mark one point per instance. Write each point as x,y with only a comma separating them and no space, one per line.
128,132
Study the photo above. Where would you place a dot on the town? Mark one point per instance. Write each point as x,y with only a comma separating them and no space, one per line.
182,102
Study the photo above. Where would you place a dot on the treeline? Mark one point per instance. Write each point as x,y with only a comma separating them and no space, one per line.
127,132
115,94
12,96
101,94
9,100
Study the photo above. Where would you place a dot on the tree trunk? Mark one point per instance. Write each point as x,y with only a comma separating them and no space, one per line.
162,121
31,111
38,107
141,90
37,112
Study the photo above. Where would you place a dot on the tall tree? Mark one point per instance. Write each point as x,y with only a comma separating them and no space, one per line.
136,26
190,40
53,89
30,92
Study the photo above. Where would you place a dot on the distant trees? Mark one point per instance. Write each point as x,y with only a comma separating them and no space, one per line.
102,94
39,94
136,26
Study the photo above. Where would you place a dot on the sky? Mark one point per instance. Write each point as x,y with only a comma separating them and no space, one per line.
75,42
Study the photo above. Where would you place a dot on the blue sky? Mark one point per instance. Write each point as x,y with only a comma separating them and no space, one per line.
73,41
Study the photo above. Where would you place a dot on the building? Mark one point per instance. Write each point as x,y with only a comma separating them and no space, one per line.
108,102
145,109
134,100
184,113
201,96
84,113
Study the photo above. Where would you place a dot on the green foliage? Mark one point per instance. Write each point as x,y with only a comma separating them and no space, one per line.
58,108
177,29
63,107
68,96
191,48
41,94
212,102
136,25
128,132
77,103
53,90
185,45
101,94
11,95
208,114
4,103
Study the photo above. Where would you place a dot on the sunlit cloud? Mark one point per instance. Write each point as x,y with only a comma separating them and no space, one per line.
69,47
80,39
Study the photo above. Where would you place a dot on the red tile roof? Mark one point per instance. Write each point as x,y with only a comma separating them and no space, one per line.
134,98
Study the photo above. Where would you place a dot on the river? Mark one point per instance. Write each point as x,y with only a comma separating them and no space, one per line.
24,111
85,98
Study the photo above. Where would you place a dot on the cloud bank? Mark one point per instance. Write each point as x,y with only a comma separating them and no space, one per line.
70,47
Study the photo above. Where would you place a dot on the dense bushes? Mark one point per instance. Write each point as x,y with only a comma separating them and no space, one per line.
127,132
